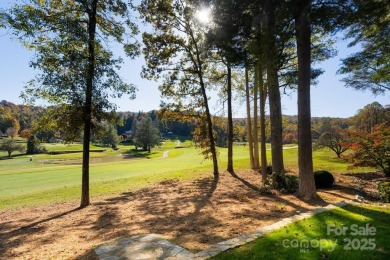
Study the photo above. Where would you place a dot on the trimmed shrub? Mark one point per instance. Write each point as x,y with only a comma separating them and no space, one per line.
323,179
384,190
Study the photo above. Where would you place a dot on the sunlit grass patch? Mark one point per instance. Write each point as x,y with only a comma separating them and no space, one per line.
351,232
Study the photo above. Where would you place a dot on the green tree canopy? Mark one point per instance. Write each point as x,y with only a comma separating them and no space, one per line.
77,68
146,133
371,115
10,146
370,30
176,50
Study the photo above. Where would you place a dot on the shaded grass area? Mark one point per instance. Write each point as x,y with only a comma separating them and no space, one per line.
367,236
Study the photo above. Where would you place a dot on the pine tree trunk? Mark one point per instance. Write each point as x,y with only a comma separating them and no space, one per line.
249,117
85,200
230,120
256,162
307,189
275,106
263,149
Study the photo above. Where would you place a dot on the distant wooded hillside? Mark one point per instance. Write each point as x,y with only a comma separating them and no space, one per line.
29,118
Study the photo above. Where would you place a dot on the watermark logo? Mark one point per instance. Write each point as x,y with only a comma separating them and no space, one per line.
362,236
355,237
305,244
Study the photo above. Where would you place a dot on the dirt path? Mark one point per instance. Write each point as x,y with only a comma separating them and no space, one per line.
192,214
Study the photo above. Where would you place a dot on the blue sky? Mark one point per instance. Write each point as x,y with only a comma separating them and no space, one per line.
329,96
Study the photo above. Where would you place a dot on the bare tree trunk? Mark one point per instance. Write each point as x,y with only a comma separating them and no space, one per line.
85,200
249,117
307,188
275,106
230,120
210,132
263,149
256,162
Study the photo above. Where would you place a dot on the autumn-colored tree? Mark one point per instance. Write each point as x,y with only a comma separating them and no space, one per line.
289,138
26,133
8,120
371,149
12,132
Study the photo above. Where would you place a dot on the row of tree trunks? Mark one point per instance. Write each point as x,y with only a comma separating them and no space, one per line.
259,93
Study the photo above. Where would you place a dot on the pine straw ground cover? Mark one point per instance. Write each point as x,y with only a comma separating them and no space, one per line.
194,214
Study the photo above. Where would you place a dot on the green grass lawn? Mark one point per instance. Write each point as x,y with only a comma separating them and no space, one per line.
52,183
367,237
53,178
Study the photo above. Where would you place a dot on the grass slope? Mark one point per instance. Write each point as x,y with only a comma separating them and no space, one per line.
290,242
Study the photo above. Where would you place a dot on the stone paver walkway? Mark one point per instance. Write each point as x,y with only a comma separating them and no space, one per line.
142,247
153,246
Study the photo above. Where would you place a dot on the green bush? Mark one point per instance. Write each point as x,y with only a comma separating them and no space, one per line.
278,181
384,190
323,179
34,146
284,183
292,183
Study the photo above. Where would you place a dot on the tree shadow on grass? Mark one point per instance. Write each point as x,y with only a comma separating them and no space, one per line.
13,156
139,153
